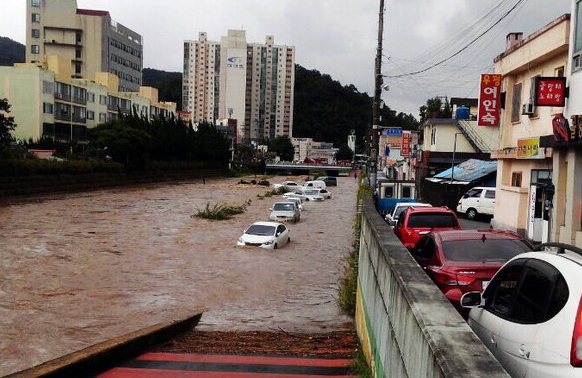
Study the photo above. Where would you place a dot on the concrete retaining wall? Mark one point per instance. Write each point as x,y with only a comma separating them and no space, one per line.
406,325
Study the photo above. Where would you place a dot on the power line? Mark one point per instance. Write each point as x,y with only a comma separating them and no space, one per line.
465,47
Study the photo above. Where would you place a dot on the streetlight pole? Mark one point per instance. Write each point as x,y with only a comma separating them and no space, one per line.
453,162
376,105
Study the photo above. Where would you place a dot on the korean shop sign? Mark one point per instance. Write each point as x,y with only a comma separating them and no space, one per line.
550,91
489,100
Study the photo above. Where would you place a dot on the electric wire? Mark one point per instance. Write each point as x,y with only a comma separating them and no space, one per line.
506,13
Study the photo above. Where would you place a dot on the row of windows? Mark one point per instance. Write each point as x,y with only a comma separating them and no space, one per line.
125,62
126,48
125,76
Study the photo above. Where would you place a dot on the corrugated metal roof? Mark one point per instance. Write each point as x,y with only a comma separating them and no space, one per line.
469,171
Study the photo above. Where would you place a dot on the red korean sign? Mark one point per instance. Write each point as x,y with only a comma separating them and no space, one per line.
550,91
405,150
489,100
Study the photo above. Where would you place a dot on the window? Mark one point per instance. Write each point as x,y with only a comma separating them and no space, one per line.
35,33
35,3
47,108
532,95
90,114
516,103
530,291
35,49
35,17
516,179
490,194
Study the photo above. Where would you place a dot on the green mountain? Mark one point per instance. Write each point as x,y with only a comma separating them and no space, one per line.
11,52
324,109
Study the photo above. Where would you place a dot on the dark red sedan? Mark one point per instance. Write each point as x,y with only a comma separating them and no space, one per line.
459,261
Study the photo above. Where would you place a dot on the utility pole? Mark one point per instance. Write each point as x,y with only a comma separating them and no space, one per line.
376,105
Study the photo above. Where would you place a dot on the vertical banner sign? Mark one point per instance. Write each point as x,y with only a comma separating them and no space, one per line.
489,100
405,149
550,91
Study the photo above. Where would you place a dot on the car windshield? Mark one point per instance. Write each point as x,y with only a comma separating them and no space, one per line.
437,220
476,250
261,230
283,206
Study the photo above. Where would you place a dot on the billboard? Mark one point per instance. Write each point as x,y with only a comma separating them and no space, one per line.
489,100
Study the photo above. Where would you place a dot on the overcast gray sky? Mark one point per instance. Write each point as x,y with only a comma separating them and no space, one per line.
338,37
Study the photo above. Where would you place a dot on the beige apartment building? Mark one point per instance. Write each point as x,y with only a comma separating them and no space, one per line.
89,39
527,170
232,79
47,102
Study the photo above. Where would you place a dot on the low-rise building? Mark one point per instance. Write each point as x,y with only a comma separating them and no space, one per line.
46,102
525,170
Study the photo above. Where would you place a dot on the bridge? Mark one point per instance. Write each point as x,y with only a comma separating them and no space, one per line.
289,168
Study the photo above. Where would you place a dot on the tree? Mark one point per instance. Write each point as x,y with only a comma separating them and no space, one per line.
344,153
7,124
283,147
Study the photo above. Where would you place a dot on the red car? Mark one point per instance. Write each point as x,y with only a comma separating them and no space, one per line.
417,221
460,261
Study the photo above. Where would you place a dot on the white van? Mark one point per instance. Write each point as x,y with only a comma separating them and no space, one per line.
479,200
315,184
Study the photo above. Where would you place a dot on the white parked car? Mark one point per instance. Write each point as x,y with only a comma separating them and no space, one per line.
298,201
305,195
530,314
392,216
325,193
314,184
288,185
265,235
477,201
285,211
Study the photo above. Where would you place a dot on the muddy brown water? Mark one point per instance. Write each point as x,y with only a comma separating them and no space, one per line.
79,269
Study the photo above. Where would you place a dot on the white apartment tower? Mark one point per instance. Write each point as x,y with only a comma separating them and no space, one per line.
89,39
252,83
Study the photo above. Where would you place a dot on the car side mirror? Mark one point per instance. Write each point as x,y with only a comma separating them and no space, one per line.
471,299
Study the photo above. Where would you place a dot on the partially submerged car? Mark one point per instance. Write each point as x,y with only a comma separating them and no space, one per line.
285,211
270,235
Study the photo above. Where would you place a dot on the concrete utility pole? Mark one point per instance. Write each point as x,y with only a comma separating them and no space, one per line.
376,105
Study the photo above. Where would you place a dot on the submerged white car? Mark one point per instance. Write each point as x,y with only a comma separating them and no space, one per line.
270,235
530,314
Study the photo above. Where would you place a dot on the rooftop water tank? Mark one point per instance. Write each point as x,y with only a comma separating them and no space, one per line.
462,113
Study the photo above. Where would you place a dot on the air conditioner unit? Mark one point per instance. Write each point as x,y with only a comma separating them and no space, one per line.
527,109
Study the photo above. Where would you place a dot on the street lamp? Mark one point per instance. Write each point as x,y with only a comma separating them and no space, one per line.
453,162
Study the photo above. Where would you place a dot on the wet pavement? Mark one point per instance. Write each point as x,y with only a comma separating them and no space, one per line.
79,269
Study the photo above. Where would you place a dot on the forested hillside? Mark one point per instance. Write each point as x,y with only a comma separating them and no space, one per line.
324,109
11,52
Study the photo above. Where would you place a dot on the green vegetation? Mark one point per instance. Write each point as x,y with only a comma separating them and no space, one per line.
221,212
360,365
349,279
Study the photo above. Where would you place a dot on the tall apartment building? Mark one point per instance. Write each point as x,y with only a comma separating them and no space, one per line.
252,83
89,39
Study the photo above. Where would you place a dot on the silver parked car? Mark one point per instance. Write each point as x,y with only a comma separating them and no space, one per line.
285,211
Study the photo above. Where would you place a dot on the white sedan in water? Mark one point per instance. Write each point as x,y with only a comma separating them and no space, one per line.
306,195
270,235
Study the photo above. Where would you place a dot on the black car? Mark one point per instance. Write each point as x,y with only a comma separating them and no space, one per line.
329,180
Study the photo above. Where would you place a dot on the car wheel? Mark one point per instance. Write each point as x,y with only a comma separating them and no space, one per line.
472,214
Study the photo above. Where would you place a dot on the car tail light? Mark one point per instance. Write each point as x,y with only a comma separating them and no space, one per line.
576,349
443,277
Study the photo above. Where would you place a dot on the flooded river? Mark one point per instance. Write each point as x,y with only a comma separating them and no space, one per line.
78,269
